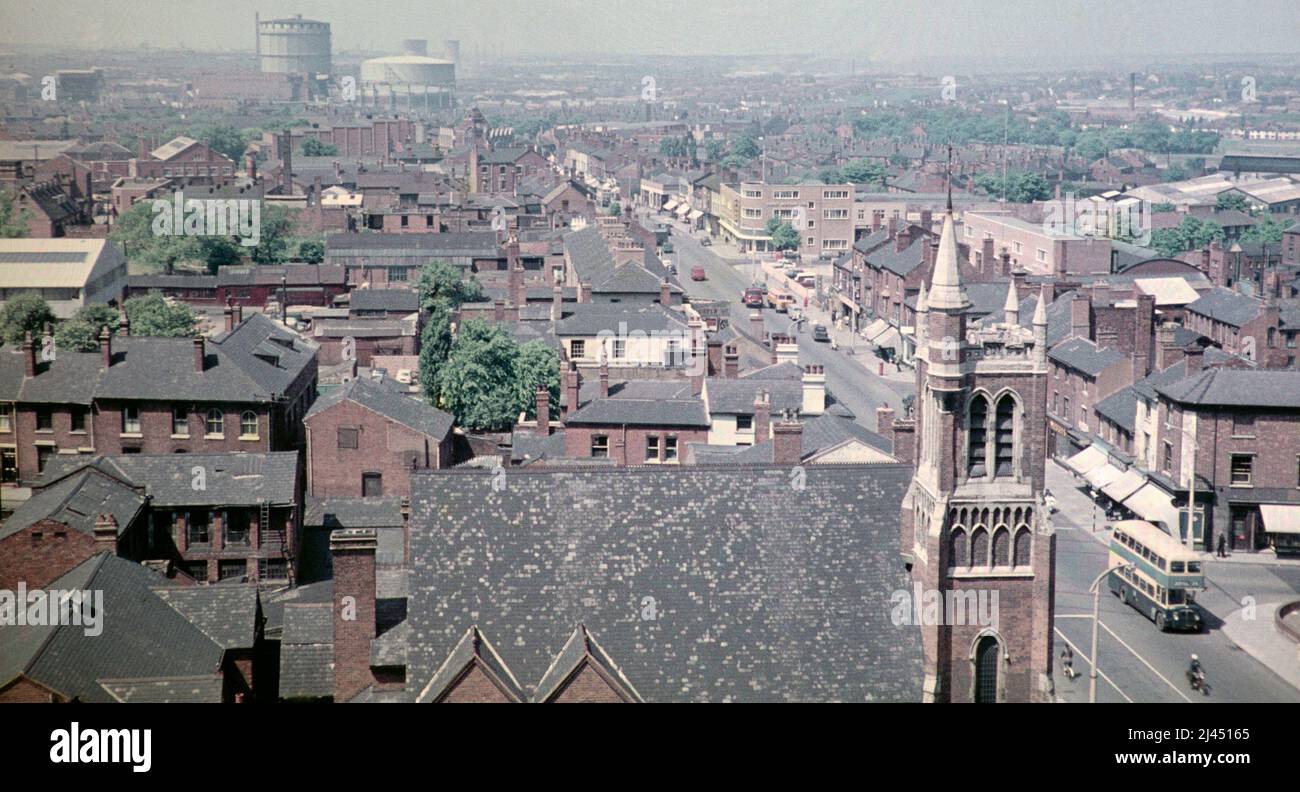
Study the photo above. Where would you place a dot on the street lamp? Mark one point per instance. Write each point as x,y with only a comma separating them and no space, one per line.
1095,590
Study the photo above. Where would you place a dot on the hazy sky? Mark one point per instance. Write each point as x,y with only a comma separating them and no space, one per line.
866,29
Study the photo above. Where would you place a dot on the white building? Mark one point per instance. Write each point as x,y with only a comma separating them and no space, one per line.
67,273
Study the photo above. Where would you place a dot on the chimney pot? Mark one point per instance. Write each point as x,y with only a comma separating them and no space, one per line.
200,354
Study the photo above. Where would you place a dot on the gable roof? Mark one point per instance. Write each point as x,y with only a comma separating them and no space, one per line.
386,400
234,479
77,502
763,593
473,650
582,650
1227,306
1084,355
1236,387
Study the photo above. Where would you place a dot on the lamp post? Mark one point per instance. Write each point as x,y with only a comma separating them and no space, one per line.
1095,590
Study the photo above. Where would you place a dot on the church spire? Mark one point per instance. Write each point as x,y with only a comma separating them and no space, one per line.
1012,307
946,290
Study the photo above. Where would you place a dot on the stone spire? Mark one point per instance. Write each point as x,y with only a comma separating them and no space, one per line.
1012,307
946,290
1040,330
922,310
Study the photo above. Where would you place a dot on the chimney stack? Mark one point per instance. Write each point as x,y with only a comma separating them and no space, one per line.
499,310
927,220
756,325
106,346
106,534
543,397
353,552
604,376
1194,354
1143,335
762,417
987,255
229,313
787,440
29,355
1167,352
665,294
814,390
730,362
123,323
557,303
1080,316
572,385
885,423
199,355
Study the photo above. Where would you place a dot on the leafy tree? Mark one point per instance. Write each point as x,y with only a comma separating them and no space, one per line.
746,147
435,346
222,138
1267,230
77,335
143,244
152,315
1231,200
1163,206
615,209
1191,234
313,147
783,235
27,312
479,383
273,240
1018,187
13,222
442,284
864,172
536,364
713,148
672,147
830,176
311,251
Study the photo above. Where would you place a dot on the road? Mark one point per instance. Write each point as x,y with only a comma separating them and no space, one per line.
1138,662
855,387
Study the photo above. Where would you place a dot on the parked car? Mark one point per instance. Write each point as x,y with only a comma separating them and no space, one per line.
697,273
806,279
706,240
820,333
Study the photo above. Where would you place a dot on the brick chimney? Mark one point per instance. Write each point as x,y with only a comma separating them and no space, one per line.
1194,354
665,294
106,534
353,551
200,353
877,220
762,417
604,377
787,440
987,254
123,323
756,325
250,166
1081,316
572,384
1143,336
584,293
927,220
1167,352
543,397
902,239
557,303
904,437
239,314
787,351
885,422
730,362
1005,258
106,346
814,390
29,355
229,313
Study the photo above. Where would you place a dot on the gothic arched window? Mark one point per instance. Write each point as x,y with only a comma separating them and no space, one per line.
977,438
1022,547
1001,547
979,548
958,550
986,670
1005,433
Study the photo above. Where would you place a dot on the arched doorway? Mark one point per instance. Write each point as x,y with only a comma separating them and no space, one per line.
987,664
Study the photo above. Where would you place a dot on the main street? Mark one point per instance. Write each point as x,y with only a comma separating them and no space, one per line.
853,385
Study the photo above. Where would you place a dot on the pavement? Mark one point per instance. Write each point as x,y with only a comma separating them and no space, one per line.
1246,657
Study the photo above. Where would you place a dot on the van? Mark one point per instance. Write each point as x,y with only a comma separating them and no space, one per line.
697,273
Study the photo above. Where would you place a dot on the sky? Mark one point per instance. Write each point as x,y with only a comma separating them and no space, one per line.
867,30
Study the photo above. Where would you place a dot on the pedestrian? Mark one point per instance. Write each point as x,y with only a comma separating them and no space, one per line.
1067,661
1223,546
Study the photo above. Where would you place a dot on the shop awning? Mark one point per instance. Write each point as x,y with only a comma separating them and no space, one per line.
889,338
1153,505
1125,485
1086,460
1102,475
683,210
1280,518
874,329
671,205
696,214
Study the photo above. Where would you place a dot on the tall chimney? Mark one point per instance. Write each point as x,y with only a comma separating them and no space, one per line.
572,387
665,294
199,355
557,303
814,390
604,376
1167,352
1194,354
730,362
106,346
1080,316
762,417
1143,335
29,355
885,423
787,440
756,325
543,397
353,552
229,313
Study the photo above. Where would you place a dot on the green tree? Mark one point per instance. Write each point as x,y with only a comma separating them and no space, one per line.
273,239
478,383
830,176
26,313
783,235
536,364
672,147
1190,234
1267,230
222,138
158,247
152,315
1231,200
13,222
442,289
443,283
311,251
313,147
746,147
1018,187
864,172
76,335
615,209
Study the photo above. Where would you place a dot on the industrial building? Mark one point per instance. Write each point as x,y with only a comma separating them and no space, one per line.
416,80
293,46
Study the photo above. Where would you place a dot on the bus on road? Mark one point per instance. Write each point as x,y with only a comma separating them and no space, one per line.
1163,578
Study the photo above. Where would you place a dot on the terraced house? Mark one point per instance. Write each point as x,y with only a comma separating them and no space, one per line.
243,390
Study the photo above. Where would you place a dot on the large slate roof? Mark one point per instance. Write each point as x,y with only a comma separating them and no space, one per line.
77,502
227,614
1227,306
237,479
142,638
589,255
383,398
614,319
1083,355
760,591
640,412
737,396
1235,387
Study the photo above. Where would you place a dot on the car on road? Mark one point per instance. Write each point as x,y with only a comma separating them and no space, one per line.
671,266
820,333
706,240
697,273
806,279
752,297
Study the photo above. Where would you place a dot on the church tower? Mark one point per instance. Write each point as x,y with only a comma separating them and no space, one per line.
974,525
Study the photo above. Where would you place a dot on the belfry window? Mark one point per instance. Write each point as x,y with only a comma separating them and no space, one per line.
1005,436
976,450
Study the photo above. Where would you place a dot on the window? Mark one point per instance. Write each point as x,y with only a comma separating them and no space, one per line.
44,419
43,454
234,527
77,418
620,348
248,424
372,485
197,528
348,438
1243,425
835,194
752,214
577,349
744,422
977,443
131,420
1001,547
1241,469
1065,407
599,446
196,569
835,214
1040,255
272,569
1005,437
216,422
231,569
1169,457
181,421
652,448
6,417
986,671
670,449
1017,247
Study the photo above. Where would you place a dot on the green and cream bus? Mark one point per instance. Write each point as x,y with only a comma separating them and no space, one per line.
1163,578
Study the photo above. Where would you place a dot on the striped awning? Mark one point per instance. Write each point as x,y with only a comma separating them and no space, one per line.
1102,475
1280,517
1153,505
1125,485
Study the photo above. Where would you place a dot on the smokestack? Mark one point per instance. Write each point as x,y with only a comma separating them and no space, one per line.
762,417
353,552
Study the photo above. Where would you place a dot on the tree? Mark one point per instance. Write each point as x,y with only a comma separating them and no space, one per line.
1231,200
442,289
746,147
221,138
143,244
1267,230
313,147
783,235
673,147
1016,186
479,383
442,283
1190,234
76,335
615,210
273,239
1163,206
865,171
152,315
536,364
25,313
435,345
13,222
830,176
311,251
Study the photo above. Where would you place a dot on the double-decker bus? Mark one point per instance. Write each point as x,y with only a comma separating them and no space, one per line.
1163,578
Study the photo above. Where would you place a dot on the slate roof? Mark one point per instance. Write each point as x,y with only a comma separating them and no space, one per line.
142,638
237,479
582,649
640,412
589,255
464,243
393,300
1120,408
1225,305
771,595
77,502
899,262
227,614
334,513
473,648
1234,387
737,396
590,319
175,690
1083,355
386,400
307,650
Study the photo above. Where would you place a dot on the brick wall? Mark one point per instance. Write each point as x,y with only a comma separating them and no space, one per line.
587,687
41,553
383,447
